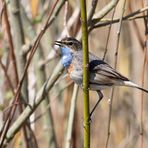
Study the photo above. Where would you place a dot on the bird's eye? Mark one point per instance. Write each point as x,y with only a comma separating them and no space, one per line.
70,43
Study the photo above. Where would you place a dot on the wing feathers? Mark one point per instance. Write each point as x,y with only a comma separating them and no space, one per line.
102,73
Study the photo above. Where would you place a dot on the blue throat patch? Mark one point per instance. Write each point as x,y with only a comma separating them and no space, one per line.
66,56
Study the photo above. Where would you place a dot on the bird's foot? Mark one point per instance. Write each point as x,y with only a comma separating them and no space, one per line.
82,87
89,118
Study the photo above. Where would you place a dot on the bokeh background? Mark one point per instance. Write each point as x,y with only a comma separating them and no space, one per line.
126,50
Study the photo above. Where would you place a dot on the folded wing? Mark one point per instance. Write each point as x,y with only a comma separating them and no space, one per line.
103,74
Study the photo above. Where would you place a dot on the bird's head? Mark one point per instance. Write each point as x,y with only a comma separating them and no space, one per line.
69,44
68,47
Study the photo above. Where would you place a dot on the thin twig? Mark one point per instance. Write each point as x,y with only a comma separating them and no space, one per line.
92,11
65,18
143,74
104,11
68,141
97,23
108,35
96,20
19,36
100,15
56,13
115,65
12,54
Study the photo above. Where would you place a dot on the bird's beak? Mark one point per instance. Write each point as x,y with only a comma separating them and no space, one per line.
59,43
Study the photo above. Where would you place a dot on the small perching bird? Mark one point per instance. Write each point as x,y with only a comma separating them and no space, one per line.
101,74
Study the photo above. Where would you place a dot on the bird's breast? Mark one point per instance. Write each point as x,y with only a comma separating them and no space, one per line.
70,68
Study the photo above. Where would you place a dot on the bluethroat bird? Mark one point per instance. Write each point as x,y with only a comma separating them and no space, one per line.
101,74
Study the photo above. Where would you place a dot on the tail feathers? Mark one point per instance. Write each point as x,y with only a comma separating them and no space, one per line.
131,84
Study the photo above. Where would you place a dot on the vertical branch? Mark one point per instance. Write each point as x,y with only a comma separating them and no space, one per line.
12,54
143,74
115,65
142,94
71,117
85,74
19,41
108,35
65,18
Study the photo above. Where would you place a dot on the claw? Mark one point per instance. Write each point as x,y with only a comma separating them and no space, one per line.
83,87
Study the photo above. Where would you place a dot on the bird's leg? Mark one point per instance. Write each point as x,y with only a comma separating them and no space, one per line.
100,98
